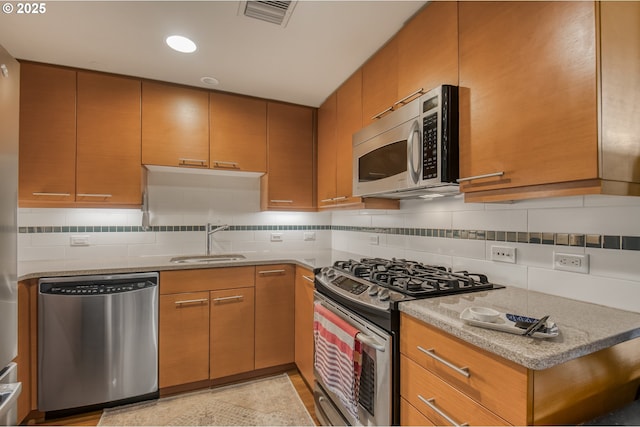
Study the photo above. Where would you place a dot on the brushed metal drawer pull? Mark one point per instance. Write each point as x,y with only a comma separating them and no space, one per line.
340,198
104,196
431,404
280,201
326,200
234,297
270,271
221,164
192,301
52,194
431,353
192,162
382,113
308,279
486,175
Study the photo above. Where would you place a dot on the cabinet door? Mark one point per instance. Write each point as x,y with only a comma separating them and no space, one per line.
528,97
47,162
183,338
380,82
274,315
327,152
232,332
175,125
109,167
349,121
419,68
289,182
304,323
238,134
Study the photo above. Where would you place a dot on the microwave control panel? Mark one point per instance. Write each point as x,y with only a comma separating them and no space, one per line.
430,146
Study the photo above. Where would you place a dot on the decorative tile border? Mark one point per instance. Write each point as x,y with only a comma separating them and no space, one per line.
558,239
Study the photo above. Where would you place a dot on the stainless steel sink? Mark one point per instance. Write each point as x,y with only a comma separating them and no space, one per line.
192,259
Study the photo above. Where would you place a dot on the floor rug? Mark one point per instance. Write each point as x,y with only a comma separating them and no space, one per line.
270,401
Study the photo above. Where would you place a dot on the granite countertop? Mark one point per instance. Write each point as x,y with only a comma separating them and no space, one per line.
584,328
79,267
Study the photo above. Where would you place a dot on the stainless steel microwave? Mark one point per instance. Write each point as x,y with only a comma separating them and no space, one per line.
410,152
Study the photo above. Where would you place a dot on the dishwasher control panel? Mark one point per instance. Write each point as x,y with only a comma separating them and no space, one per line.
97,285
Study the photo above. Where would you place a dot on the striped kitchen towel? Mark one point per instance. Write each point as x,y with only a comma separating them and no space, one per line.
338,356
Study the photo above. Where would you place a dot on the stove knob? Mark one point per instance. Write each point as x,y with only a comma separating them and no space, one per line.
373,290
383,295
331,274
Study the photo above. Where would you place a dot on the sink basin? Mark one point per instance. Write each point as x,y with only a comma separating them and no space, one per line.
192,259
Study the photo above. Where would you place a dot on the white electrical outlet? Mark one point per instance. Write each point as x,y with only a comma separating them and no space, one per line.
80,240
276,237
503,254
374,240
309,235
578,263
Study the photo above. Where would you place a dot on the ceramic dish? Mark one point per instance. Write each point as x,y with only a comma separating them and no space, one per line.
505,323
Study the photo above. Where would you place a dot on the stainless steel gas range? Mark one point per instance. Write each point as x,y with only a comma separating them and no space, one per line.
365,294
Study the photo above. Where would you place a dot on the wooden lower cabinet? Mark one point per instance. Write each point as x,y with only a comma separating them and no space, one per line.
231,332
410,416
304,288
183,338
274,315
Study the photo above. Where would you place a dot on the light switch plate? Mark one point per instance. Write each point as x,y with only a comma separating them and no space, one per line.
309,235
276,237
503,254
80,240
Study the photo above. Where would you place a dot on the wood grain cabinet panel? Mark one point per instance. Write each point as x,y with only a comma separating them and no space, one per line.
426,68
109,169
232,332
238,136
175,125
289,183
183,338
380,81
177,281
528,98
275,317
327,152
410,416
47,162
304,288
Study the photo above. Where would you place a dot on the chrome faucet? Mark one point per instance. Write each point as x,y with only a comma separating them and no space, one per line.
211,231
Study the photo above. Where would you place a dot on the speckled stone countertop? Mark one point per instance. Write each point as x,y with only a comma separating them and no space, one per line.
584,328
78,267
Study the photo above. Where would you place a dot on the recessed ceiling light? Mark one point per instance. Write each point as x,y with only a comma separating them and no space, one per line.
209,81
181,44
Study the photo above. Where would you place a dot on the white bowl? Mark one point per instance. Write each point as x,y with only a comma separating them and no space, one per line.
484,314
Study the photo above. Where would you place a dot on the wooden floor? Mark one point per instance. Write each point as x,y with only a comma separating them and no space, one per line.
92,418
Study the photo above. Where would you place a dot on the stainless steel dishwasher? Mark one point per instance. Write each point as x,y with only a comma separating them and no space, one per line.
97,341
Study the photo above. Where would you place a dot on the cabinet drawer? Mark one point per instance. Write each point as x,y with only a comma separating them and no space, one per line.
440,401
410,416
211,279
497,384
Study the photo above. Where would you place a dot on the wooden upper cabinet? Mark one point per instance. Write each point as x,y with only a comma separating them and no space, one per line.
109,167
419,68
528,93
175,125
380,81
47,161
238,137
289,182
327,151
349,121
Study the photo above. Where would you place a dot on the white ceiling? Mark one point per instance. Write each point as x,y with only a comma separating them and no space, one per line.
323,43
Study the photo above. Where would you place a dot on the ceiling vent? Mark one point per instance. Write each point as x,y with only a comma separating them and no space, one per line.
275,12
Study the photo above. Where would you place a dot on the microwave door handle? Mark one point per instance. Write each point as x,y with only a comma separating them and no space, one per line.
413,163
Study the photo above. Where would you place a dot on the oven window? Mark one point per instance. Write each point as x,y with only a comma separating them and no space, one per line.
383,162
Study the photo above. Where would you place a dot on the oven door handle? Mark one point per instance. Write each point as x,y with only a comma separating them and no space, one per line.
370,341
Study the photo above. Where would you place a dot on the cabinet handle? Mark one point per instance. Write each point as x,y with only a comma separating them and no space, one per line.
340,198
382,113
487,175
230,165
271,271
192,301
235,297
52,194
325,200
431,353
431,404
280,201
103,196
308,279
192,162
411,95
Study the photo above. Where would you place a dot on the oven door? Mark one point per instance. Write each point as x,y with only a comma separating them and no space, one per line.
375,389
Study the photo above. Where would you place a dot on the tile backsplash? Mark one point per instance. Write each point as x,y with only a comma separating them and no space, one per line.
443,231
